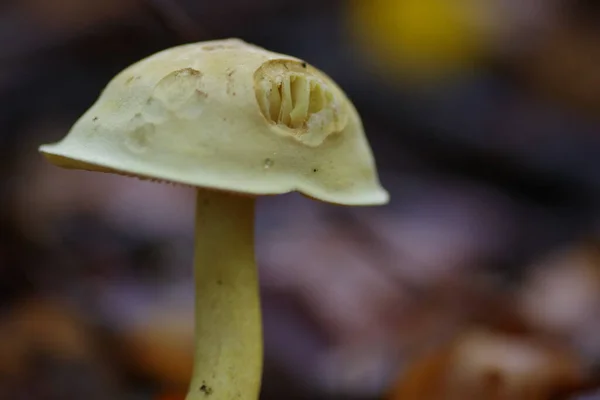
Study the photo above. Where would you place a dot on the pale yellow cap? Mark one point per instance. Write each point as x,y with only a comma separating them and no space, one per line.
231,116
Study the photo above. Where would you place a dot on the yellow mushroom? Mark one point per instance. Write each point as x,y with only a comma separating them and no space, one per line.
426,40
233,121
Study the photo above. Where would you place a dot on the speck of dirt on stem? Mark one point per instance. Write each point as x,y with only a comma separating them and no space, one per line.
206,389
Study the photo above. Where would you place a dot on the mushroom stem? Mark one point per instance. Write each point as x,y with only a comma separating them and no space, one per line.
228,339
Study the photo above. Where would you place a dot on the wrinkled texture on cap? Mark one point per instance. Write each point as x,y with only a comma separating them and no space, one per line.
231,116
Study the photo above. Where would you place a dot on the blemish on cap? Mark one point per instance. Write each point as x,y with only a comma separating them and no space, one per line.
131,79
221,46
268,163
299,101
181,92
230,81
140,139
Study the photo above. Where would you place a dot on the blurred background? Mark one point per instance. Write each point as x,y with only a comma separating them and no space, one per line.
482,276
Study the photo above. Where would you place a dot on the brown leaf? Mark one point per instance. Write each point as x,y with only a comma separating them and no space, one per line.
491,365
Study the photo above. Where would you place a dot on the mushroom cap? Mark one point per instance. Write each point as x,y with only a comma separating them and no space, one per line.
227,115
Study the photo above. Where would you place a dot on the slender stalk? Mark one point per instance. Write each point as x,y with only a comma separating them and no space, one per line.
229,350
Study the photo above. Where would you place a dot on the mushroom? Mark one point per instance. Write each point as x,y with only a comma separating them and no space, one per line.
234,121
